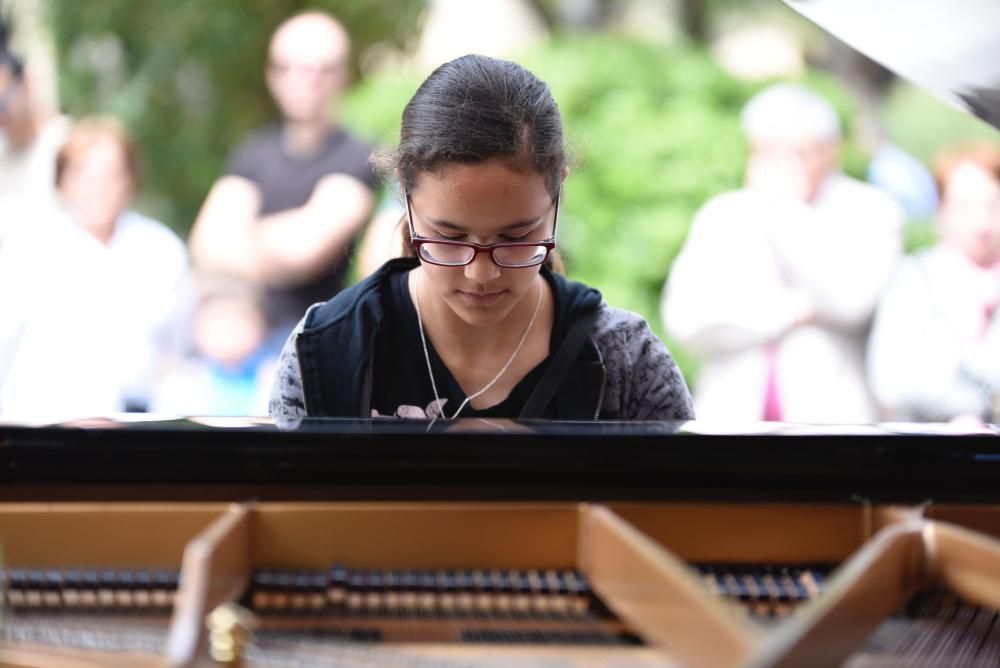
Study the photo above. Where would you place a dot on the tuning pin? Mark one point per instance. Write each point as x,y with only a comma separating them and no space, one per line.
229,629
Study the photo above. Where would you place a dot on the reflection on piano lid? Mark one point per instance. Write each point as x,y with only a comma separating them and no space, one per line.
218,425
948,48
237,458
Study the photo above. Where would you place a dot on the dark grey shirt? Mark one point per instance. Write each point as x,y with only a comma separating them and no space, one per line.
288,183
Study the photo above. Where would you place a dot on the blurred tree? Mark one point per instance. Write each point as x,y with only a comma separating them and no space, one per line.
186,76
573,14
697,20
695,17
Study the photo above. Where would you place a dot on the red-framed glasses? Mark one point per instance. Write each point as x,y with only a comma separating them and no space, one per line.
510,255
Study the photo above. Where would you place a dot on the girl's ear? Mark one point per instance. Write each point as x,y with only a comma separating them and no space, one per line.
565,173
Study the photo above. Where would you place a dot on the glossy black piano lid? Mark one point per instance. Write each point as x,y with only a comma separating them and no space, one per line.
238,458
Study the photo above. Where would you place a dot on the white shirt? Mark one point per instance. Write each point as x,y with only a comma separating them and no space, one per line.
154,294
85,326
53,345
932,355
751,272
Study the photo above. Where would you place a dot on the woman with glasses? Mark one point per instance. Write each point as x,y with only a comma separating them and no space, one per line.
477,322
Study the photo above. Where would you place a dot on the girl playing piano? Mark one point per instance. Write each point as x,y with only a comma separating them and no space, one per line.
477,321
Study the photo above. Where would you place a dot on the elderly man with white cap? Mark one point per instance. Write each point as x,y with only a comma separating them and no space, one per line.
776,284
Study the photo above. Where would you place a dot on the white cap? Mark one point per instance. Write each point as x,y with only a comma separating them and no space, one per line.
789,112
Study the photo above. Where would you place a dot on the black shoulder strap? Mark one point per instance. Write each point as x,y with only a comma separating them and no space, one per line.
366,386
559,365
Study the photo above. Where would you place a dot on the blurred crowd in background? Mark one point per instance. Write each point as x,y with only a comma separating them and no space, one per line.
815,241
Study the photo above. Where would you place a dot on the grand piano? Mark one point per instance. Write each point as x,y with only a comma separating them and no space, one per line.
230,541
206,542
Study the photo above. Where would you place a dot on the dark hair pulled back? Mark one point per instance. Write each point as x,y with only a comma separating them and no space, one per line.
476,108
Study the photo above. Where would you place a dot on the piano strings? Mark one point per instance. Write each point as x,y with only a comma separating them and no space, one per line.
934,629
445,605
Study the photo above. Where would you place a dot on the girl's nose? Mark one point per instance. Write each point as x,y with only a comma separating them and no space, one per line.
482,269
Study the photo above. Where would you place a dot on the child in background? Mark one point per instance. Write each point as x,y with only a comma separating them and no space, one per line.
232,368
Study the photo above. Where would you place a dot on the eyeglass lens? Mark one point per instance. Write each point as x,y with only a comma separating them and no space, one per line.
509,256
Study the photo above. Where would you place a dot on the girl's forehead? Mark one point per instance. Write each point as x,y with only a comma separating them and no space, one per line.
478,181
481,198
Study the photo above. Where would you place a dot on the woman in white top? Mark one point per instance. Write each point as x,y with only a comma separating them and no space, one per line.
934,352
94,296
97,172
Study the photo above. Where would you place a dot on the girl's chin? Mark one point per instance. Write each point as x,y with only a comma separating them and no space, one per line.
479,315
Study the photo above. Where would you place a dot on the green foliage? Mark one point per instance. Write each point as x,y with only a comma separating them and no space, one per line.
186,77
919,234
375,106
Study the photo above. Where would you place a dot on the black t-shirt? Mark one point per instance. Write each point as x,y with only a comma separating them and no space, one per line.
401,386
288,183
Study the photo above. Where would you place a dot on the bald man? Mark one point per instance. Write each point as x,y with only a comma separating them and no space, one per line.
295,194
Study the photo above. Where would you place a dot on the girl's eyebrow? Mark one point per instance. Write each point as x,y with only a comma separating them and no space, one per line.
512,227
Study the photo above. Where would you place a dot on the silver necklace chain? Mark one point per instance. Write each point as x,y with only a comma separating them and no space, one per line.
427,355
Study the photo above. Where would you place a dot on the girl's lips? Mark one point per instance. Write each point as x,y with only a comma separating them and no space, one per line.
482,298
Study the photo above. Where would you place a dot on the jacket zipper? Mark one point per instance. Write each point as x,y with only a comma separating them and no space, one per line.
604,380
600,395
302,378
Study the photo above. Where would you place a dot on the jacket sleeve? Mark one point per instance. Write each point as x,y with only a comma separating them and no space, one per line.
643,379
287,404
